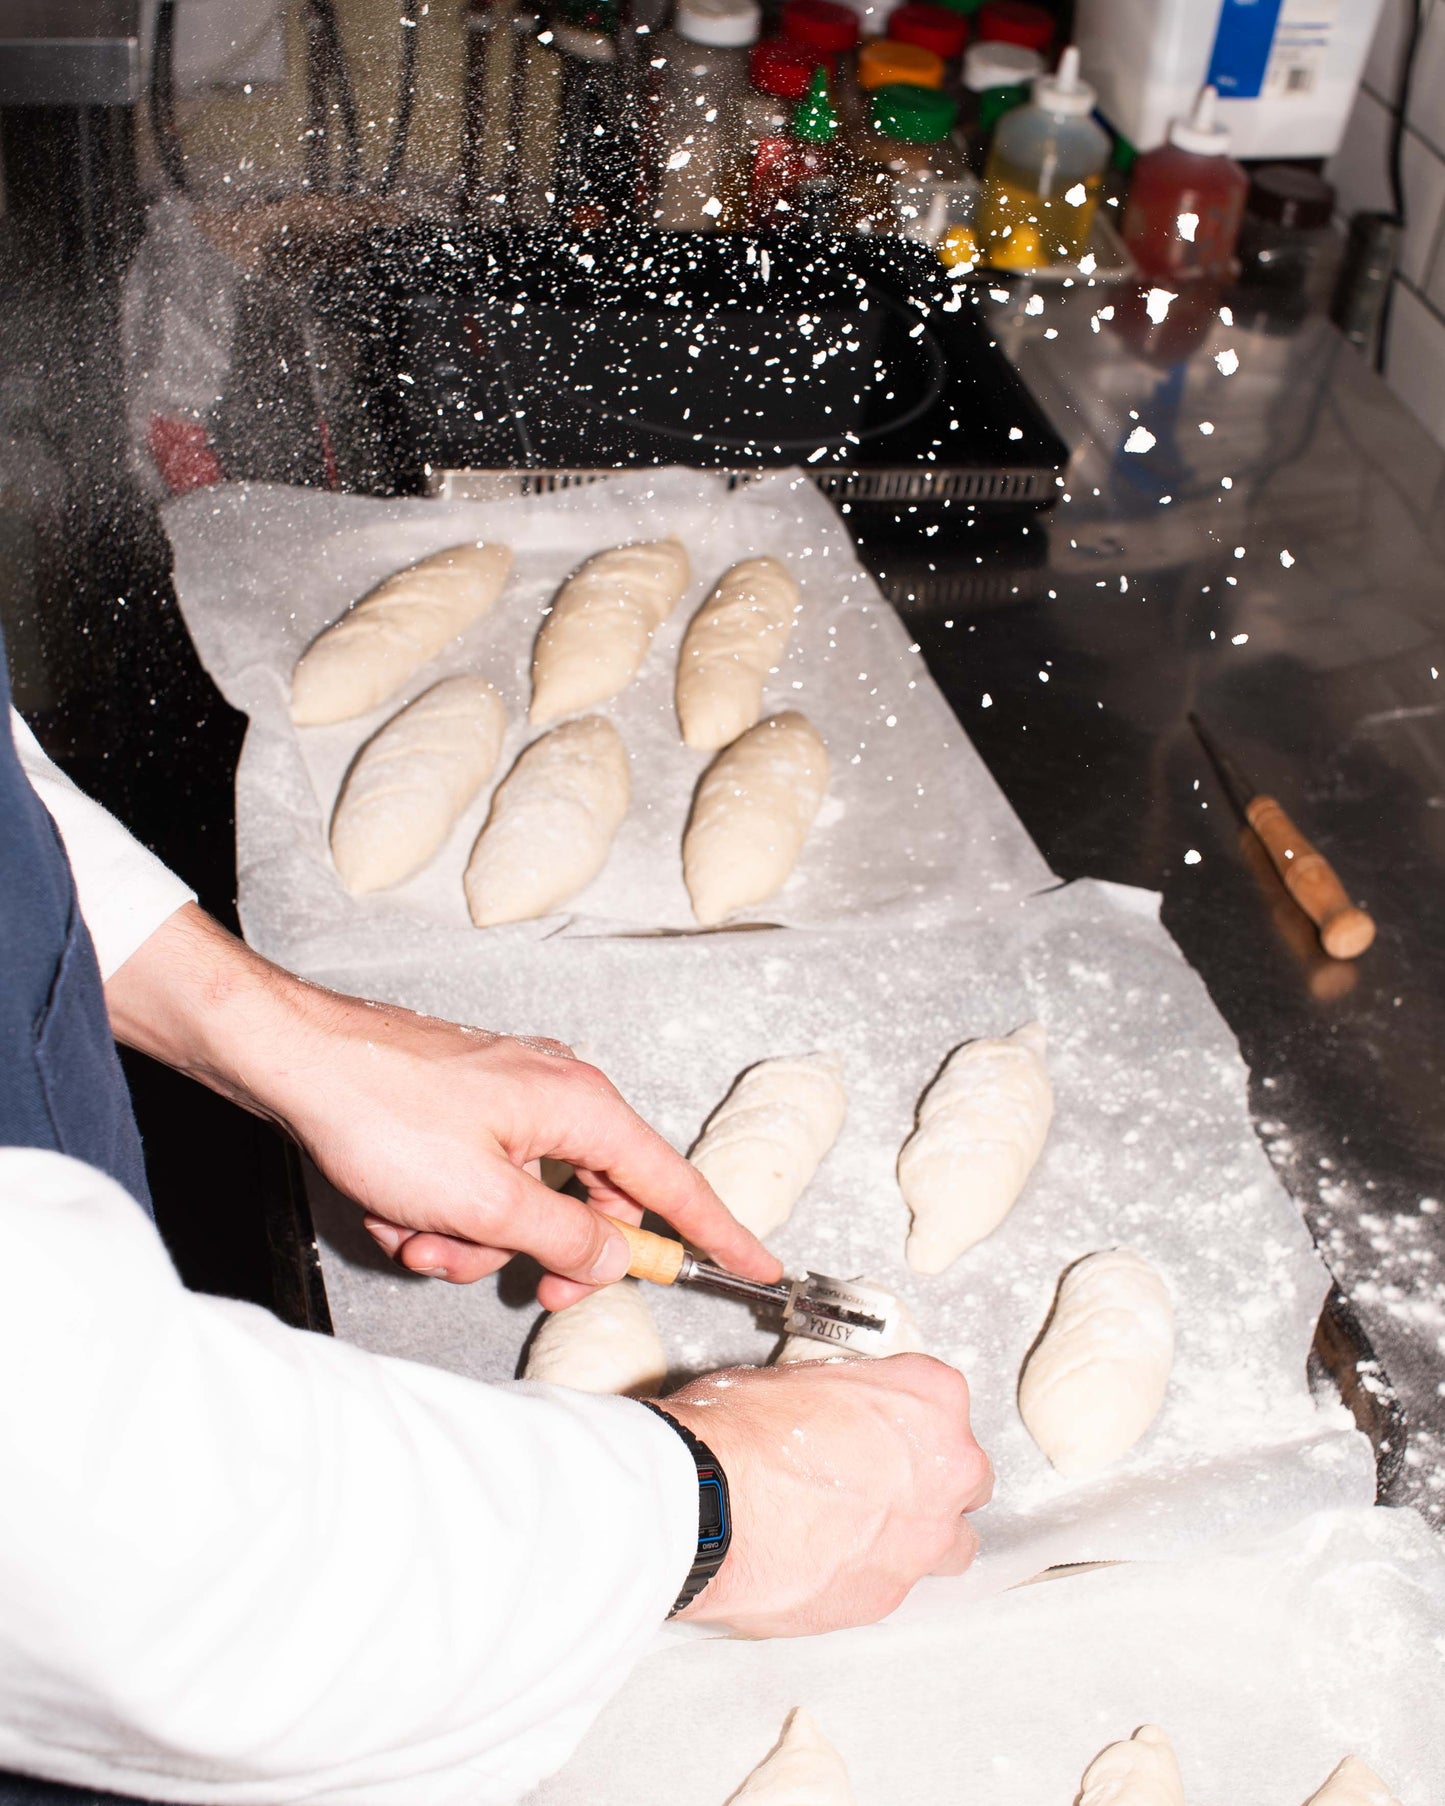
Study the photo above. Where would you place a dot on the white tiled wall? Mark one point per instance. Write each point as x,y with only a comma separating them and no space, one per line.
1415,351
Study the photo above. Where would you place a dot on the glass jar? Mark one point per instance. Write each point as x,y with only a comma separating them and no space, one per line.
911,180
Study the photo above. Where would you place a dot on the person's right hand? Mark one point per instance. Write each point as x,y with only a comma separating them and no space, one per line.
848,1479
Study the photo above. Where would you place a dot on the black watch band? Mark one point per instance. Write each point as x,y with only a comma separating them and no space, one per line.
714,1512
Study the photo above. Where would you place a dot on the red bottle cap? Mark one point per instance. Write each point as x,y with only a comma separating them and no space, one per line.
932,28
822,26
781,68
1016,22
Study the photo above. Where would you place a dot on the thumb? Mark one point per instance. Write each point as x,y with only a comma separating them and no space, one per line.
564,1235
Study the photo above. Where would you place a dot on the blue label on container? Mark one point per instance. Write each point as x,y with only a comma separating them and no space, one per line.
1241,47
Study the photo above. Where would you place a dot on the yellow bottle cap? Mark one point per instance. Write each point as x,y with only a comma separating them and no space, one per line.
882,62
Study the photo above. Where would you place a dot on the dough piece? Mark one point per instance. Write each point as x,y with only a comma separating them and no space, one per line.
391,633
1097,1376
981,1127
411,782
734,640
751,815
905,1339
804,1770
604,1343
601,625
551,824
1353,1783
763,1143
1141,1771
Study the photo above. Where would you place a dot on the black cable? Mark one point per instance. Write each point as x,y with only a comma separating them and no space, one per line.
1397,171
405,99
1397,136
339,80
163,96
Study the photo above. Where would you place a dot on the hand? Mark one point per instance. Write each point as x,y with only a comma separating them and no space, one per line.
434,1129
848,1482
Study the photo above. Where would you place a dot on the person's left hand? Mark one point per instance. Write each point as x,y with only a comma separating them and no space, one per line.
434,1129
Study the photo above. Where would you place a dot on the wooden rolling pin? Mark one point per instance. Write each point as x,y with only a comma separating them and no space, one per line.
1345,929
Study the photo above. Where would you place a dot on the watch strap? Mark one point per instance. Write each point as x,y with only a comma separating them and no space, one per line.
714,1512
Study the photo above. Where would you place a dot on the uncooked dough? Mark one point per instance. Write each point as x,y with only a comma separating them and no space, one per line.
1097,1376
732,643
804,1770
411,782
751,815
1353,1783
981,1127
391,633
1141,1771
601,625
904,1338
763,1143
604,1343
551,823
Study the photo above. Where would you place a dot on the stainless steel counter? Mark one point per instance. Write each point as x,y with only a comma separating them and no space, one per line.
1275,559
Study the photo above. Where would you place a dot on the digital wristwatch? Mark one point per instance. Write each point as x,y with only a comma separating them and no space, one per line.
714,1513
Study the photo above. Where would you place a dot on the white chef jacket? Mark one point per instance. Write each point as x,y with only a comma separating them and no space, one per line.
243,1563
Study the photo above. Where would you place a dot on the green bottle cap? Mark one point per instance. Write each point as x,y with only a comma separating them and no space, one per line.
967,7
815,118
916,115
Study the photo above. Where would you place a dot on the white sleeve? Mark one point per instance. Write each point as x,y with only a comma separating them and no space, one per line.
125,892
242,1563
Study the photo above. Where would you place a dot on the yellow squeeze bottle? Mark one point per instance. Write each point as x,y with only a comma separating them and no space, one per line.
1044,174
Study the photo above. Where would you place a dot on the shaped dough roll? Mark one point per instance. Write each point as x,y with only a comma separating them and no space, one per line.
601,625
981,1127
763,1143
1097,1377
804,1770
411,782
733,641
751,815
551,824
1353,1783
604,1343
1141,1771
392,632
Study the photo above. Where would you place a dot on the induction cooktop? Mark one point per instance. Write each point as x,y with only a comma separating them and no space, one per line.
531,360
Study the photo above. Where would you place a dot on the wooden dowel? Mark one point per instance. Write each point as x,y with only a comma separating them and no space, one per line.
1345,929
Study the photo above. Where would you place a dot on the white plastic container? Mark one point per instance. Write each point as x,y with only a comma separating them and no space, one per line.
1286,71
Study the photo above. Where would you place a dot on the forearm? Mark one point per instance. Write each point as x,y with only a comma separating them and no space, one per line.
387,1581
198,999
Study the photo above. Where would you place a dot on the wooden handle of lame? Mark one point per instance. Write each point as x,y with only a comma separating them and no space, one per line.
654,1257
1345,929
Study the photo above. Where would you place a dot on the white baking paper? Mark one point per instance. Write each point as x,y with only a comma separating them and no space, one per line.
1266,1661
1151,1147
913,829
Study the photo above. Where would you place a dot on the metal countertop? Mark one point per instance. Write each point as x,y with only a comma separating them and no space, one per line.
1283,575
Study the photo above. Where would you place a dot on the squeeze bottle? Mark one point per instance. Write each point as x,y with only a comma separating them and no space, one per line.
1186,201
1044,174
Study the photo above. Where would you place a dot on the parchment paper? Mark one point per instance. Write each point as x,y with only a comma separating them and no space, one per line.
913,830
1150,1147
919,921
1266,1661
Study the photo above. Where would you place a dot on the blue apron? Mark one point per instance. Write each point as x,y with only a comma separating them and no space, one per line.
61,1085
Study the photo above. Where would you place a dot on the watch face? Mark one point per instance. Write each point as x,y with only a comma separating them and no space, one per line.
711,1512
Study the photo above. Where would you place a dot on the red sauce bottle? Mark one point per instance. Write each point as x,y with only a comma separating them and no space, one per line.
1186,202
